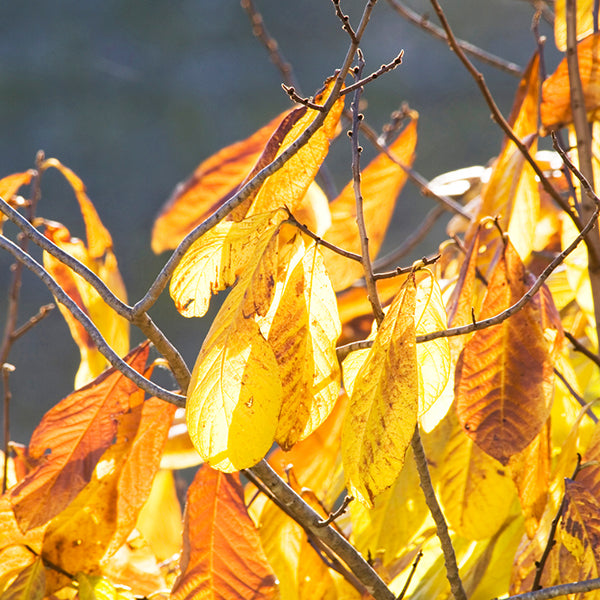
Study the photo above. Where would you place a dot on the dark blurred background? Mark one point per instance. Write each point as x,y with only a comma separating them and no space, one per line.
133,95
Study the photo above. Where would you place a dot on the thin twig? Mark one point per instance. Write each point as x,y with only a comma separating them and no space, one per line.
501,121
42,313
337,513
575,395
423,22
556,591
343,351
413,570
452,573
360,217
269,42
383,69
89,326
7,369
303,514
423,262
579,347
551,541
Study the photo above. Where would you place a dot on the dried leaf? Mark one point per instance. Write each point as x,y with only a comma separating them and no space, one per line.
222,555
381,183
383,406
504,377
213,182
69,441
555,110
30,584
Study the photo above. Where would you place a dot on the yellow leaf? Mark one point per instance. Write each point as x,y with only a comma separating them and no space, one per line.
93,587
314,210
30,584
476,491
303,332
397,514
216,260
585,21
382,411
235,393
289,184
381,183
436,385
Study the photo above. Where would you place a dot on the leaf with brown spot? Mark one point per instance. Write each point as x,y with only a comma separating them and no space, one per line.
67,444
381,183
504,377
222,556
555,109
213,182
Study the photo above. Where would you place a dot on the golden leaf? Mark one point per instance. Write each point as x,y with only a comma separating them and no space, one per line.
585,21
382,411
30,584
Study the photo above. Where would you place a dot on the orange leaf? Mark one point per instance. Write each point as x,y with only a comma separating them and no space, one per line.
222,557
504,376
555,109
381,182
100,519
10,185
585,21
214,181
69,441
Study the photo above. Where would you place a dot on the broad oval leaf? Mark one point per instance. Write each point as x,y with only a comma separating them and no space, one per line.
382,411
504,377
69,441
381,183
222,557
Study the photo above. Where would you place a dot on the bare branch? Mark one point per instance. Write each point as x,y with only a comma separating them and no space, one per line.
423,22
87,324
559,590
581,348
383,69
336,514
42,313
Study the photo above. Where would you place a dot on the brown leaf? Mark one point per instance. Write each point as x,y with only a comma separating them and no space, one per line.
504,376
222,555
381,183
555,109
213,182
69,441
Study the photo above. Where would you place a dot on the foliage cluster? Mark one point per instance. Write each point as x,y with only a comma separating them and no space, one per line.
428,430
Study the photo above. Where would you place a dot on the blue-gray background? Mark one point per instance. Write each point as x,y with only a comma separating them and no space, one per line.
133,95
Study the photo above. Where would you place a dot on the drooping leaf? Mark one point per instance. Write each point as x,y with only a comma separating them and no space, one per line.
475,490
215,261
585,21
97,523
381,183
504,376
69,441
287,186
213,182
222,555
555,110
302,333
383,406
235,393
30,584
9,186
436,389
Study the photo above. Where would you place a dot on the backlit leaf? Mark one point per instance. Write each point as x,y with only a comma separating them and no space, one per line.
213,182
475,490
504,377
69,441
222,555
585,21
287,187
555,109
93,587
436,389
235,393
30,584
381,183
303,332
215,261
105,512
9,186
382,411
